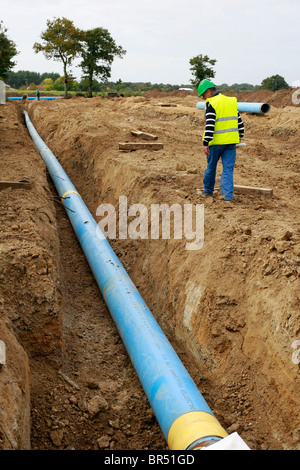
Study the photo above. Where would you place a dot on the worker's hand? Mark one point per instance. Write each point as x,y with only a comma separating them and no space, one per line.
206,149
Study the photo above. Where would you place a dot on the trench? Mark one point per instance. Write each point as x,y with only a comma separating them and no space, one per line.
85,394
92,373
93,362
202,355
93,366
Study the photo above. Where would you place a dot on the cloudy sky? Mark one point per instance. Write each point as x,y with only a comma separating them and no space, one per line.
250,40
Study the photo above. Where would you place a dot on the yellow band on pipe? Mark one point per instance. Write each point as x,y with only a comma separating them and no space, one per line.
41,152
68,192
192,426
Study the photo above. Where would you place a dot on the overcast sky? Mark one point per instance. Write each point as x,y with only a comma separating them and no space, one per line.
250,40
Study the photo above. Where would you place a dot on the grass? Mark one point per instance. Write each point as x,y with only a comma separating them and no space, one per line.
30,92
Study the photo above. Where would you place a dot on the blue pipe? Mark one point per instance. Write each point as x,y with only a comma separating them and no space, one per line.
258,108
183,415
34,98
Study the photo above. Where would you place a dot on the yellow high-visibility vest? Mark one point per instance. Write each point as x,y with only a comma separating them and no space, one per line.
226,125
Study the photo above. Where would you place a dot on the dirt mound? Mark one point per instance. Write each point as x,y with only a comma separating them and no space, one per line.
231,309
158,93
278,99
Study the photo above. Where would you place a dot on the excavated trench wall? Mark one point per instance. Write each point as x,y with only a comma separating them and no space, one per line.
30,298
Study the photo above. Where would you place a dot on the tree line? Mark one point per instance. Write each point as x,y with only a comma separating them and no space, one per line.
25,79
53,81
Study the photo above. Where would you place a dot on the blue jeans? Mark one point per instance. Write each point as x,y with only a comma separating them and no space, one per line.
228,154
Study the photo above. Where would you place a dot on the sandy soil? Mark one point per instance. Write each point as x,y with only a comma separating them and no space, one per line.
231,309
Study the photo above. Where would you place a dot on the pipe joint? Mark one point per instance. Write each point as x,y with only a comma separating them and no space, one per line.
195,430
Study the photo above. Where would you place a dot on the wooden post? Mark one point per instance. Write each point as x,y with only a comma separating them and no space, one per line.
252,190
15,184
144,135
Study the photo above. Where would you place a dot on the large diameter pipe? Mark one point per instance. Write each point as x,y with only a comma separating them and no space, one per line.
185,418
257,108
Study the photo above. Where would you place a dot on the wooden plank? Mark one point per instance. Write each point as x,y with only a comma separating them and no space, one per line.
252,190
140,145
144,135
167,105
15,184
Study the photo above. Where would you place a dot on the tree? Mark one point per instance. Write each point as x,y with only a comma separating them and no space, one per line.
48,82
58,85
98,52
84,85
51,75
61,41
201,68
7,52
274,83
32,86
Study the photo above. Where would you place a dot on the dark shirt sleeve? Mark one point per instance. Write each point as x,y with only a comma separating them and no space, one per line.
240,126
210,117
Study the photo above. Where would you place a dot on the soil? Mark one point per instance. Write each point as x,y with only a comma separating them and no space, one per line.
230,309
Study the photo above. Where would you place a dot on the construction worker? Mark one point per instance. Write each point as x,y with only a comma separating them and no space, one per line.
38,94
223,130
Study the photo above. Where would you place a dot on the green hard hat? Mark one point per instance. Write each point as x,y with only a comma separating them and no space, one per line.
204,85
